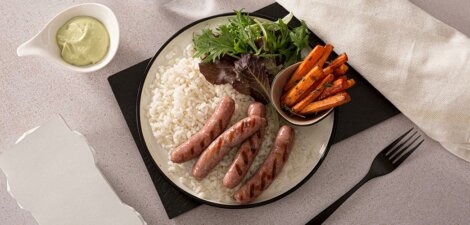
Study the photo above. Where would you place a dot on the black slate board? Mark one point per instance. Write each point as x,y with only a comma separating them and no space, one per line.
367,108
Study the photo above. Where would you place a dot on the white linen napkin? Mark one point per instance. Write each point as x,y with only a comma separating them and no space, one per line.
419,63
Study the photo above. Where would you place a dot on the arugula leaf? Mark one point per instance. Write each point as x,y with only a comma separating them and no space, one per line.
213,48
299,36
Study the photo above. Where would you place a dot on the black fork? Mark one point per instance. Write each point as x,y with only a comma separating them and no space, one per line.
385,162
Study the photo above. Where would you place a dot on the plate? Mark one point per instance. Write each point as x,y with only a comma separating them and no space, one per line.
316,137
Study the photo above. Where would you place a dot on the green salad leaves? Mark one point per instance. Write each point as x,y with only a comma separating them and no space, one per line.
246,35
247,53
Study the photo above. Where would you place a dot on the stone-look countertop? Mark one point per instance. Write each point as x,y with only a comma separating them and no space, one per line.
431,187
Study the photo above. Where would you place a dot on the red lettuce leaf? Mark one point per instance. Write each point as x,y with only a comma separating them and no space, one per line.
221,72
252,73
248,75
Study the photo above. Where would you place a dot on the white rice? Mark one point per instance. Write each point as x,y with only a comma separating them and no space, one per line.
182,102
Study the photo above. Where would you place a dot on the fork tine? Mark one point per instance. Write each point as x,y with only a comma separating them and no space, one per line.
400,160
390,146
399,151
392,151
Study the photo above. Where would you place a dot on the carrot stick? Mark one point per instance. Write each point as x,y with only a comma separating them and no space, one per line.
340,70
327,103
313,94
335,87
308,63
340,60
340,86
314,85
351,82
343,77
326,54
302,86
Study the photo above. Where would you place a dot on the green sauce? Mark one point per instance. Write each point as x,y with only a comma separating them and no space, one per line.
83,40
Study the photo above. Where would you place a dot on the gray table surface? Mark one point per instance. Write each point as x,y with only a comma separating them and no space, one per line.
431,187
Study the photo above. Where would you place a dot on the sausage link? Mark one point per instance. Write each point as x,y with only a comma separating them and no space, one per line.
257,109
213,127
271,167
222,145
247,150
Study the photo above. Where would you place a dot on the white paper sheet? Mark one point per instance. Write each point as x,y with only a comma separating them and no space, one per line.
52,173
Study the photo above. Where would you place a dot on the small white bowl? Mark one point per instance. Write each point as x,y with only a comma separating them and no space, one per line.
276,92
44,43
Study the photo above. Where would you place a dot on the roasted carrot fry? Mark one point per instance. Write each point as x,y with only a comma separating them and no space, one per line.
351,82
328,70
327,103
340,60
326,54
335,87
312,95
340,86
343,77
308,63
340,70
294,94
314,85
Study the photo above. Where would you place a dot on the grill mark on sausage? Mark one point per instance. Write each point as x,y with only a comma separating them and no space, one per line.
192,150
253,150
211,134
201,144
284,156
258,188
273,171
251,122
206,140
252,187
239,170
230,136
245,158
221,126
263,181
251,142
219,145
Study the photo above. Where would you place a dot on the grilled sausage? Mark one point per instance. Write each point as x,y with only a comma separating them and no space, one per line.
247,151
271,167
213,127
222,145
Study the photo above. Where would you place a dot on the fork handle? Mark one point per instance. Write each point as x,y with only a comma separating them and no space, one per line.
320,218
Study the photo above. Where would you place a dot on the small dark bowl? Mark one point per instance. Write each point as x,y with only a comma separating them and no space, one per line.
276,92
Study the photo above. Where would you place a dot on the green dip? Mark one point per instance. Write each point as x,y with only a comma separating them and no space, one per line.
83,40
